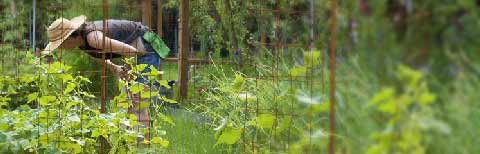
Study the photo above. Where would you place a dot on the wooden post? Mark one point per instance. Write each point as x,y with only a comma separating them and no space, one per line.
183,50
160,18
103,141
333,62
147,12
160,28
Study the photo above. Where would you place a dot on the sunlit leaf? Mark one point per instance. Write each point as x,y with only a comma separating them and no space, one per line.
311,58
298,71
44,100
238,83
158,140
136,88
32,97
70,87
265,121
229,136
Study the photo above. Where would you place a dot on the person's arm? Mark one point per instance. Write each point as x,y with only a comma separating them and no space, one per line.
117,70
95,39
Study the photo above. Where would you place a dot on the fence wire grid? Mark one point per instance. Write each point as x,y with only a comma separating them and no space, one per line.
280,106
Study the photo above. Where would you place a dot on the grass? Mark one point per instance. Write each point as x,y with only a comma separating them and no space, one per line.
189,136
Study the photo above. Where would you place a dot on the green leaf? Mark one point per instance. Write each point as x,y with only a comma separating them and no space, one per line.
409,75
158,140
164,83
32,97
238,83
70,104
27,78
298,71
96,133
148,94
265,121
229,136
166,119
70,87
123,105
44,100
165,99
136,88
140,67
66,77
385,94
426,98
311,58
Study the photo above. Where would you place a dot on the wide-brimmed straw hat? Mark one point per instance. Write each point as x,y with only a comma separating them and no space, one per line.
60,30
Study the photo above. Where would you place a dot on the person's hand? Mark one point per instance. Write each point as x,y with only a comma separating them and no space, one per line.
121,72
46,55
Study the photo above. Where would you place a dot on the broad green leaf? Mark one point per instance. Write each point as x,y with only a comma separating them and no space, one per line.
70,87
44,100
71,104
409,75
165,99
388,107
140,67
95,133
229,136
66,77
385,94
136,88
164,83
123,105
158,140
32,97
27,78
238,83
298,71
426,98
265,121
148,94
311,58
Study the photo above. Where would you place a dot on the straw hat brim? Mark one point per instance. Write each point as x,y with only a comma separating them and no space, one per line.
76,23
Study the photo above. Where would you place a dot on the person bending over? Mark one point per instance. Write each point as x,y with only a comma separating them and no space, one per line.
123,39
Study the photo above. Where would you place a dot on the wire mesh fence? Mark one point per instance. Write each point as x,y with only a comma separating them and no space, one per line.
261,89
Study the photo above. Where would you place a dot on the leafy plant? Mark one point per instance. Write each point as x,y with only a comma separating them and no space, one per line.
408,115
57,116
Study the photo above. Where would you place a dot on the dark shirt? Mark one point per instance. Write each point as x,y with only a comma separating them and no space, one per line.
122,30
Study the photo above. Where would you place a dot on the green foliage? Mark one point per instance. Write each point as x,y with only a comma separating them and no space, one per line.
54,116
409,118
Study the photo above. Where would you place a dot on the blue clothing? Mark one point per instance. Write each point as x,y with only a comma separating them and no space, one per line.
150,58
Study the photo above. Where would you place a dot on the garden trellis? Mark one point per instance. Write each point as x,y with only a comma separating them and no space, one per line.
256,72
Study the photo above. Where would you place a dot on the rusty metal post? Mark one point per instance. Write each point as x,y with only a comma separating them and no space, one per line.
103,141
333,46
183,50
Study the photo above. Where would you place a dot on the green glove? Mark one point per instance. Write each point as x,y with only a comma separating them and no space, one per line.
157,44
